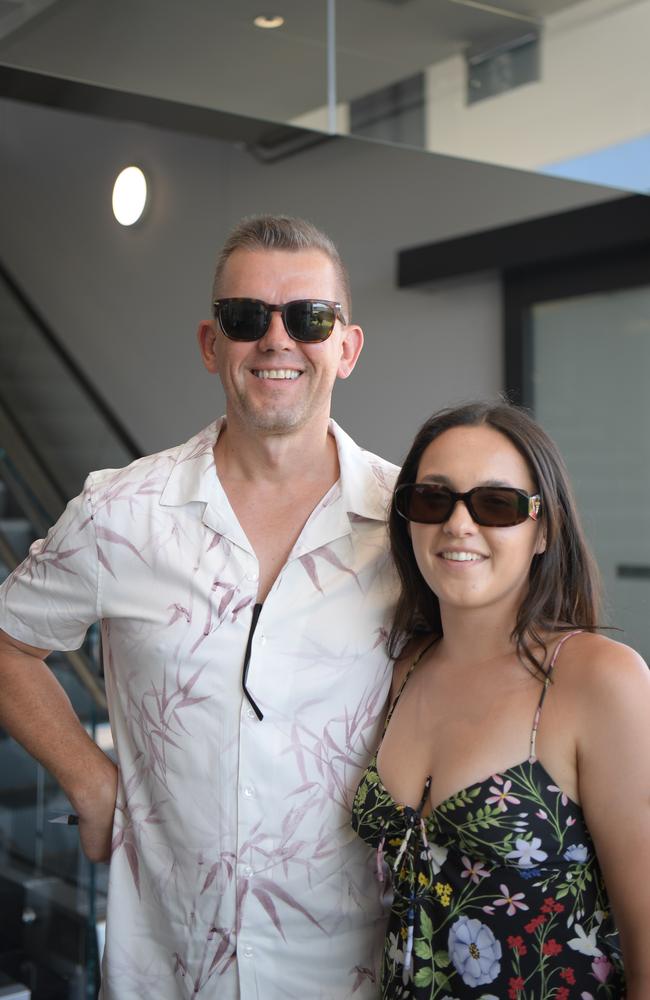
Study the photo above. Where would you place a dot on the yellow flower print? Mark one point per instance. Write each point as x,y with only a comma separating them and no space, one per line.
423,880
444,893
395,841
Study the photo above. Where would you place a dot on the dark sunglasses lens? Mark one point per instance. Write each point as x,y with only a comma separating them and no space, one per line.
498,508
424,504
243,319
309,321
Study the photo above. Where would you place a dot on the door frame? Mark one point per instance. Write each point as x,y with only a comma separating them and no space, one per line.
522,288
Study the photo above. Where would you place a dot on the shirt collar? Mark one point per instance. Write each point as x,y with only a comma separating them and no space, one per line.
366,480
194,474
363,490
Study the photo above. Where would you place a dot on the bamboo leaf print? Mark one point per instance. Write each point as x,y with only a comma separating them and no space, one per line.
325,552
132,858
310,566
112,536
276,890
269,906
104,562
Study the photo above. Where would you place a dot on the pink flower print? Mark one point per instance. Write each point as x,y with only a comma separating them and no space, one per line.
473,872
488,909
570,820
554,788
601,968
512,902
501,795
541,814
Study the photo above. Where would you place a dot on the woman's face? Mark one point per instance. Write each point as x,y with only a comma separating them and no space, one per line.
467,565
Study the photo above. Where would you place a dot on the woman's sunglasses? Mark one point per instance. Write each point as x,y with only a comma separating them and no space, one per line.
308,321
490,506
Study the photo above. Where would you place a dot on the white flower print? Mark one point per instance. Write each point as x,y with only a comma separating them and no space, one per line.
585,943
395,953
577,853
527,852
436,855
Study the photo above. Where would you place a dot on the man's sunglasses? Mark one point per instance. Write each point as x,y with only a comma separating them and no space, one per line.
309,321
490,506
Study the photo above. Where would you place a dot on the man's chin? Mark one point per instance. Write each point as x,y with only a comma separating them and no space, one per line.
275,422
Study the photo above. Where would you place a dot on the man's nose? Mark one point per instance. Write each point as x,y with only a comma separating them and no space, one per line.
276,337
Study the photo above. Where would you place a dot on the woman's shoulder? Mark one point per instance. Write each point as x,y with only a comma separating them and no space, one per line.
599,666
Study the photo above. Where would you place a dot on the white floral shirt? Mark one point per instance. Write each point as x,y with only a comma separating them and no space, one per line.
234,869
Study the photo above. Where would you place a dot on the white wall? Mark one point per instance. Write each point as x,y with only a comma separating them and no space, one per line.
127,302
593,92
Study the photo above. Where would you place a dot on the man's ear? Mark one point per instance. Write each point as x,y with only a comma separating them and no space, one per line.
351,345
206,336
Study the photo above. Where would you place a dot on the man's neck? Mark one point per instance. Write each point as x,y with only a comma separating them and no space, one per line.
309,452
273,483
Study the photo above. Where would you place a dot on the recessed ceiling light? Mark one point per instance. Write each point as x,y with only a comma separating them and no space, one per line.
129,196
268,21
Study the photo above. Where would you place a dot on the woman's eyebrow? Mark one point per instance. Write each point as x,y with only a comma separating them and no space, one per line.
446,481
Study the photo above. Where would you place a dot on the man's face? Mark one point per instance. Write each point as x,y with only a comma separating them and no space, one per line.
263,391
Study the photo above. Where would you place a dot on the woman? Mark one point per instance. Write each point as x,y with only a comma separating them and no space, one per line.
509,800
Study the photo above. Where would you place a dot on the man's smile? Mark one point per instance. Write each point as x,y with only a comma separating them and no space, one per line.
276,373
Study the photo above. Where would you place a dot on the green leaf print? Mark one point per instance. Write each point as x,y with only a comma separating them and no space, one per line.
422,948
441,959
426,925
423,977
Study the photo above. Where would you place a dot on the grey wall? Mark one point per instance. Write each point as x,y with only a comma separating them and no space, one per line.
127,302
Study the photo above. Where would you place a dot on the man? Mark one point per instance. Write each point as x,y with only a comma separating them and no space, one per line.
243,585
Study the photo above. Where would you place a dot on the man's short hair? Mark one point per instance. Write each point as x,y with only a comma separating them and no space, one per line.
282,232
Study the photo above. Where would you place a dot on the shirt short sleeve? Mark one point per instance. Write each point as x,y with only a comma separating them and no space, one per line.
50,600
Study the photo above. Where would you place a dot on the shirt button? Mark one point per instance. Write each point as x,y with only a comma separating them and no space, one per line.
247,952
248,872
263,641
253,575
249,792
250,713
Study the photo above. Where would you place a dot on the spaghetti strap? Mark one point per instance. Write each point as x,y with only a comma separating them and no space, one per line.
532,756
410,670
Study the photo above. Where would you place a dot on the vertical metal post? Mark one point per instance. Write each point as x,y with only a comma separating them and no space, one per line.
331,66
39,833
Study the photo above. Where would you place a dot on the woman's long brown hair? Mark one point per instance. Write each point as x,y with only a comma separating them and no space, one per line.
564,584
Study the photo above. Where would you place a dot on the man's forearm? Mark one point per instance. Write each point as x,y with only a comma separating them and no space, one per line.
36,711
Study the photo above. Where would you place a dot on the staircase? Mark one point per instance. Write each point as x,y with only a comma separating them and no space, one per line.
54,428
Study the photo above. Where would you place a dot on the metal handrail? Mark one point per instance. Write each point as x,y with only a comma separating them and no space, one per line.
79,376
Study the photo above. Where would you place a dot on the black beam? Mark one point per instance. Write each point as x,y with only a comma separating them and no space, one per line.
608,227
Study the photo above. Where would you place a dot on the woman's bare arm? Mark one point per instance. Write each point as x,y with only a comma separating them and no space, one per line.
613,757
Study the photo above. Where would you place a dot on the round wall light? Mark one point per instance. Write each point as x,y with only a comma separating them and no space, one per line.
268,21
129,196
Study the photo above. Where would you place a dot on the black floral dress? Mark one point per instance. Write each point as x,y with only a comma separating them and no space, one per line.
497,892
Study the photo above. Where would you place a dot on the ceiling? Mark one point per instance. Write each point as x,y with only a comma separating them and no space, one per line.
209,54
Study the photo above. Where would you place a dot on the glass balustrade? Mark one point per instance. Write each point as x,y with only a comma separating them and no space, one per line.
555,86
